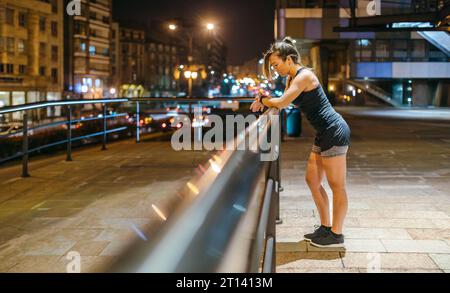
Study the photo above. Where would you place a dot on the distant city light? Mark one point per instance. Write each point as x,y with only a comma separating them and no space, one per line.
172,27
261,61
112,91
194,75
226,80
84,89
181,66
213,72
210,26
187,74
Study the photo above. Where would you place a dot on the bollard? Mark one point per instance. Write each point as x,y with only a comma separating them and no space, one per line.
69,134
25,146
104,128
138,123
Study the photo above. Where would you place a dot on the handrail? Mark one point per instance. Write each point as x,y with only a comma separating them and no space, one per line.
237,195
69,103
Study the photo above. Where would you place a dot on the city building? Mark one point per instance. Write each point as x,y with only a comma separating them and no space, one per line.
31,54
88,41
402,68
131,62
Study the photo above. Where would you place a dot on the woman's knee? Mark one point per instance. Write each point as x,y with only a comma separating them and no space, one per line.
337,185
312,181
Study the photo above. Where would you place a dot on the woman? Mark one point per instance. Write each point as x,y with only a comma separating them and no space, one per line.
329,152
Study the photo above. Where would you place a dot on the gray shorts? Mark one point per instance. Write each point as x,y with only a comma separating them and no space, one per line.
333,152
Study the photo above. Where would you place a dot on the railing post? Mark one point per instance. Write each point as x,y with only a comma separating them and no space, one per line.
138,123
25,146
104,128
271,227
278,187
69,134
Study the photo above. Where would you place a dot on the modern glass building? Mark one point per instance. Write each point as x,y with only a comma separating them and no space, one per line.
382,55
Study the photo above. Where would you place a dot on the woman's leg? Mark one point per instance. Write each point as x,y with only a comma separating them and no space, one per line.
336,171
314,176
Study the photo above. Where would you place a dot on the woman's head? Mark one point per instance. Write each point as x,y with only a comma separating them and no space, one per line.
281,56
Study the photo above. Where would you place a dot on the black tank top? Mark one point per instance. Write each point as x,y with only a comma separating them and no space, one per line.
317,108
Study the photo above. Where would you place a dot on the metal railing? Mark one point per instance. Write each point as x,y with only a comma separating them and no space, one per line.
227,220
24,153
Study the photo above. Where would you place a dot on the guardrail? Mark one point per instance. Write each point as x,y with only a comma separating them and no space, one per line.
104,117
227,220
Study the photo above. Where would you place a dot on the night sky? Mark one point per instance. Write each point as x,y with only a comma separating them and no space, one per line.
246,26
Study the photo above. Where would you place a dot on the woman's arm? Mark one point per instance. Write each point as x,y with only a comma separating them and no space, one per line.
297,86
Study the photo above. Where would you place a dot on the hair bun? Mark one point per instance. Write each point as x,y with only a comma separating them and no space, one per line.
289,40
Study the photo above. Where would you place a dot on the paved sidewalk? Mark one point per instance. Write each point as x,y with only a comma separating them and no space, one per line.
96,205
399,201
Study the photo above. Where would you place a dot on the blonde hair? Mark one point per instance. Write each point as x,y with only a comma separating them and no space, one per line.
283,49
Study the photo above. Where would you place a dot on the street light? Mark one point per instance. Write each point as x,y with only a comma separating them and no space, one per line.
194,75
187,74
210,26
172,27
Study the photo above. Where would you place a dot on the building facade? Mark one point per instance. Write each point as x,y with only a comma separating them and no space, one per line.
31,54
88,39
401,68
131,62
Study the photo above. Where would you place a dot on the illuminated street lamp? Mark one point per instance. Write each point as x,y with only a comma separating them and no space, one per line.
172,27
210,26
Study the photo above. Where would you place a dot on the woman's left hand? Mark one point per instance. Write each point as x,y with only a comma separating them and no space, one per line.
257,106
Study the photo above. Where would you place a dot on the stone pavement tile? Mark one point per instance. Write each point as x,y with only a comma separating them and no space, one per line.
395,214
368,261
442,260
397,223
115,248
442,223
308,260
416,246
363,213
317,270
406,271
50,247
291,234
376,233
89,248
429,234
92,264
6,263
39,264
291,246
355,245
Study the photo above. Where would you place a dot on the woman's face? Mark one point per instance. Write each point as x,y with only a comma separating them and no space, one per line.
281,67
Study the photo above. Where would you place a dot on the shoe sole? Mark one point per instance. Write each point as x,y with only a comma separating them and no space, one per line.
341,245
307,240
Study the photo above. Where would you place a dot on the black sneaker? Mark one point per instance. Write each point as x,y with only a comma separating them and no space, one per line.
329,240
320,230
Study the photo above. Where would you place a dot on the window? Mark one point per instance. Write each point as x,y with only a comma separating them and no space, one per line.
54,75
54,53
80,28
382,49
418,49
21,46
10,68
42,70
9,16
22,19
22,69
400,48
54,6
10,45
42,23
92,50
54,29
42,49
